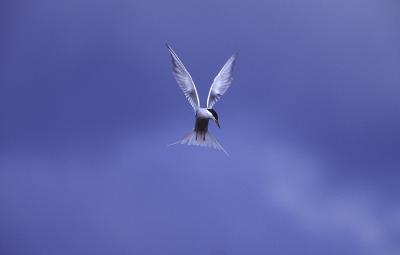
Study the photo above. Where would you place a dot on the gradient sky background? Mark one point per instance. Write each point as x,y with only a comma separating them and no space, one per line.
88,104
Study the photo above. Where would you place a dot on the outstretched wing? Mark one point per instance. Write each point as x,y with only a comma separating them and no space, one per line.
184,80
221,82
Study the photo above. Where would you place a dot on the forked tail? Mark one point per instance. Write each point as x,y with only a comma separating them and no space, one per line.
204,139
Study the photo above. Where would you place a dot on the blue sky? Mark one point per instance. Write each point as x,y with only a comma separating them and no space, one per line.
88,104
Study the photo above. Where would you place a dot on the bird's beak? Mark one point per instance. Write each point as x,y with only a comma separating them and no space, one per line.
216,122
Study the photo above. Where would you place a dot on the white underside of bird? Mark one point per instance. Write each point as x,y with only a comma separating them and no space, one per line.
200,136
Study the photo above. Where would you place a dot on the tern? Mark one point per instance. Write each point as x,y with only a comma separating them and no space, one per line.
200,136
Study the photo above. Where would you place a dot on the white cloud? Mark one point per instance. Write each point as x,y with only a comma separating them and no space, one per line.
297,185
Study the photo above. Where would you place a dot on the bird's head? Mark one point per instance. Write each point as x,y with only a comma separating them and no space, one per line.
214,116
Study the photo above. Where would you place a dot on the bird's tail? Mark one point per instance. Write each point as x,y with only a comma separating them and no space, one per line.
201,139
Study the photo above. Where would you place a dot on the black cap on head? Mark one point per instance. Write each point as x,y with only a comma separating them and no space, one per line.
214,113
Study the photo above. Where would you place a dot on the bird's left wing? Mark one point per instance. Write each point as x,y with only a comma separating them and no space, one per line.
184,80
221,82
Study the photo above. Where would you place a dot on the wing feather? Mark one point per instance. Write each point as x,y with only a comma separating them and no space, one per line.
221,82
184,80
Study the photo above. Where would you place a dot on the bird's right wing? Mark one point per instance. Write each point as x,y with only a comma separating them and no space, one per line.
221,82
184,79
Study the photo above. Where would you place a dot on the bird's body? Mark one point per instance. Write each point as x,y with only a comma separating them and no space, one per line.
200,135
203,113
201,125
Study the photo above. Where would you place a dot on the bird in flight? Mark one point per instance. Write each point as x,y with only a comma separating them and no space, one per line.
200,136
